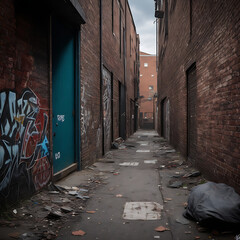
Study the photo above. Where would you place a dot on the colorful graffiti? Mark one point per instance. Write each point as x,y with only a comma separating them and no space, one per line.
24,147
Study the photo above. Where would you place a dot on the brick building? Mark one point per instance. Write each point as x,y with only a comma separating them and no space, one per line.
198,75
148,91
65,67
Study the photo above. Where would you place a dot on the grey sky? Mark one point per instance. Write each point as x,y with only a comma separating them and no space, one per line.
143,14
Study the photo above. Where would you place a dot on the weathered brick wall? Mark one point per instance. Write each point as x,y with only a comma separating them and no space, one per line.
24,102
131,74
91,128
113,61
213,43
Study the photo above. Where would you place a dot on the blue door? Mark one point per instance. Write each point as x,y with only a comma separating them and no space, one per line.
63,65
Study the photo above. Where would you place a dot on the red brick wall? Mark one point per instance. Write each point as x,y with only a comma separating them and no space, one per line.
113,61
214,45
24,101
148,77
91,128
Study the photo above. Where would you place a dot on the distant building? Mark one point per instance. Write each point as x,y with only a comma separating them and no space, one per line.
198,59
148,91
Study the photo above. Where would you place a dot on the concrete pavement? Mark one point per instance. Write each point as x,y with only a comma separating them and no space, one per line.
132,190
140,171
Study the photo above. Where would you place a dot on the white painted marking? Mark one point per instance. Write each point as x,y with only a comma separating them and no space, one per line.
131,164
142,151
57,155
61,118
144,144
154,161
142,211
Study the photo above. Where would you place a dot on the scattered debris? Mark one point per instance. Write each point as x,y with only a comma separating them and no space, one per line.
176,184
182,220
119,195
117,142
78,233
193,174
28,236
53,192
116,173
156,237
161,229
15,211
66,209
237,237
129,145
168,199
54,214
91,212
73,193
48,208
188,232
15,235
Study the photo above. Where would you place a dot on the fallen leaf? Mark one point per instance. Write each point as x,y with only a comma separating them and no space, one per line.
161,229
168,199
78,233
90,212
15,235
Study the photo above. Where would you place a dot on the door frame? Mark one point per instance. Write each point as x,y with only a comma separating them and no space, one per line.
77,100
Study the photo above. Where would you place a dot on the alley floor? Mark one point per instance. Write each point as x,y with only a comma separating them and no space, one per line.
136,192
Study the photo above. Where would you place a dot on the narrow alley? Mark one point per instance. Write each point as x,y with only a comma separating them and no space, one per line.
119,119
142,171
132,191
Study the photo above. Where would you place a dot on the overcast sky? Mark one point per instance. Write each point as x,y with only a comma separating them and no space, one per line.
143,14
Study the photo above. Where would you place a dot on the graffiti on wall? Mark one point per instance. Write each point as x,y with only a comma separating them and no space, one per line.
107,96
24,147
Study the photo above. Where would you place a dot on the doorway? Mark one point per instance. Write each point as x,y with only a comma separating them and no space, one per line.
63,94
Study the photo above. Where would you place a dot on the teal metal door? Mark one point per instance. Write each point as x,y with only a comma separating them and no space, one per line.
63,65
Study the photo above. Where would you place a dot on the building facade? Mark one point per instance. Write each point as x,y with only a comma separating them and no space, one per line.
65,67
148,91
199,85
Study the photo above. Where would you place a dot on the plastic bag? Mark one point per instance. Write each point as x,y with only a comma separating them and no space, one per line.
213,201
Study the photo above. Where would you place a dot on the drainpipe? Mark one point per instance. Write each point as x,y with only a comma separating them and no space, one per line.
101,80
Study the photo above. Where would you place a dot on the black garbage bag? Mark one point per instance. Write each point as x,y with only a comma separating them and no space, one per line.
211,202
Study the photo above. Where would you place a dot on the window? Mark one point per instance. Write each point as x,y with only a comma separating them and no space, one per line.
145,64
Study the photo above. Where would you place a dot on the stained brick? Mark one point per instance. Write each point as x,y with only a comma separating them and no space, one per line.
214,45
